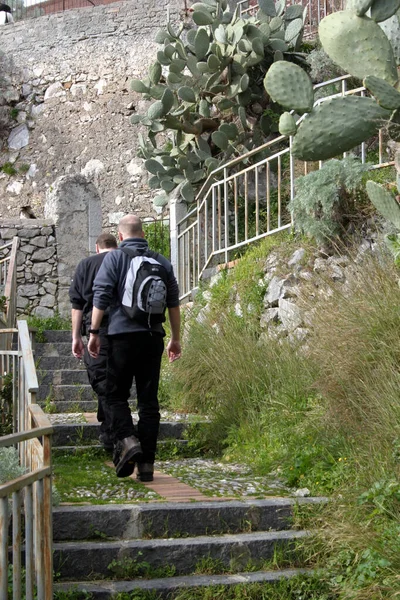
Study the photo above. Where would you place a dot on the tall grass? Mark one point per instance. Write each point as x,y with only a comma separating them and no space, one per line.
325,415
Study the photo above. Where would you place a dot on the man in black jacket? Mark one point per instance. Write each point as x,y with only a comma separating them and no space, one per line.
81,296
134,351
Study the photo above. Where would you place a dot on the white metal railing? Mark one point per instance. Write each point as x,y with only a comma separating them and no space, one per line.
241,203
27,500
316,11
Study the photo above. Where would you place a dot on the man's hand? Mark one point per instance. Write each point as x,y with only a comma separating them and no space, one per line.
77,347
94,345
174,350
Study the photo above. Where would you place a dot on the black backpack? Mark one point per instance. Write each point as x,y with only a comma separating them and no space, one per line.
145,294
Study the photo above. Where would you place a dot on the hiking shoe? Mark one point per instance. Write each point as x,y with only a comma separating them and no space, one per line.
145,472
128,452
106,441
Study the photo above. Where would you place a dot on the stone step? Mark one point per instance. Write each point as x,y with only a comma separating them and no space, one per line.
52,349
44,363
76,560
63,450
63,377
58,335
69,434
165,588
69,406
71,393
172,519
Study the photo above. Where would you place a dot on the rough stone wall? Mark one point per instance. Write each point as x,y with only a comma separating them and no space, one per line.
70,93
37,278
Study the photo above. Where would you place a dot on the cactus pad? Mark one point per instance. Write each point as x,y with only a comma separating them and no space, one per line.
337,125
287,124
384,202
391,28
289,85
384,9
360,7
385,94
358,45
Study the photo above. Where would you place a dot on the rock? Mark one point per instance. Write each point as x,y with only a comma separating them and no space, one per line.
41,269
55,90
296,257
274,292
28,290
43,254
290,314
43,312
47,300
8,234
271,315
19,137
301,493
92,168
39,241
15,187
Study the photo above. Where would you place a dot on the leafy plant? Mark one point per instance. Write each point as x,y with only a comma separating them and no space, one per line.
8,169
6,404
9,465
40,325
206,88
129,568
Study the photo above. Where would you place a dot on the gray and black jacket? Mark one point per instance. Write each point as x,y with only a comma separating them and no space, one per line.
109,286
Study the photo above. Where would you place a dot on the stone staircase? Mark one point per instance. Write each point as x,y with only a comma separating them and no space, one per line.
154,547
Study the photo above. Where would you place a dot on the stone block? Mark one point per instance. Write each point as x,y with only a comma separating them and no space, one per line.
41,269
39,241
28,290
47,300
43,254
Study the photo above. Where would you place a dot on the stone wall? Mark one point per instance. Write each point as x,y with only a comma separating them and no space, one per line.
37,278
68,85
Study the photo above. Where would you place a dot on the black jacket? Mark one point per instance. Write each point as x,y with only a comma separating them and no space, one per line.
81,288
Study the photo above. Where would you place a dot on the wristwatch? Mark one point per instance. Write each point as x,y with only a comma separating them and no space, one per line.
95,331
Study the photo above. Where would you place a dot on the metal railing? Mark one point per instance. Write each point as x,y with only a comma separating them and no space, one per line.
30,9
29,495
241,203
316,11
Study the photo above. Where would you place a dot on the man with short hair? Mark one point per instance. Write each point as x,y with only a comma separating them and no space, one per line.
81,296
134,351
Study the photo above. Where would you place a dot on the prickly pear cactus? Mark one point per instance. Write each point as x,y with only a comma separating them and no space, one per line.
364,47
207,91
384,202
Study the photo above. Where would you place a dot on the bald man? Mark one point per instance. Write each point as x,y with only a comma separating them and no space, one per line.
134,351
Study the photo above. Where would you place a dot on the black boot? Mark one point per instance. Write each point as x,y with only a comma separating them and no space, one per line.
128,452
145,471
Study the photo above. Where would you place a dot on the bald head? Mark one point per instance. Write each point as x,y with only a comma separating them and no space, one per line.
130,226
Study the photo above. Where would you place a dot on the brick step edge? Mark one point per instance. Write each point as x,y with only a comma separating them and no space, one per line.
105,590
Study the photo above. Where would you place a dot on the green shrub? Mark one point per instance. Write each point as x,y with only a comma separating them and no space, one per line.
9,465
40,325
6,404
8,169
325,201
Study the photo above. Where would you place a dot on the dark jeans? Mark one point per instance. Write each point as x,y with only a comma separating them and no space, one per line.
97,374
135,355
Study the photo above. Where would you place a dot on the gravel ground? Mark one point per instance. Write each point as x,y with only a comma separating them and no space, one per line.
66,418
217,479
71,418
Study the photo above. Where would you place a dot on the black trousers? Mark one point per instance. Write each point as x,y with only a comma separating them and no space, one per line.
97,374
135,355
